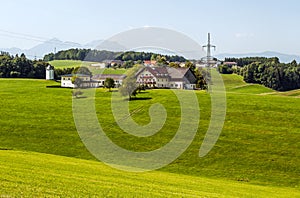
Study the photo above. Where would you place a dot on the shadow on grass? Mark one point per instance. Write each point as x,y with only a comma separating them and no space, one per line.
145,98
53,86
143,92
5,149
112,90
78,97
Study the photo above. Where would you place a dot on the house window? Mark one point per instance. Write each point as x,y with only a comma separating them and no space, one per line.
69,79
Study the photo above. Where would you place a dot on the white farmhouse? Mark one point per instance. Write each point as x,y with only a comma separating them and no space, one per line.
100,78
87,81
167,77
67,80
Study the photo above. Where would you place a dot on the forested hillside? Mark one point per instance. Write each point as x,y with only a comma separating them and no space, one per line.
21,67
266,71
101,55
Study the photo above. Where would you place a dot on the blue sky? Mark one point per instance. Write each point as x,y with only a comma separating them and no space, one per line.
236,26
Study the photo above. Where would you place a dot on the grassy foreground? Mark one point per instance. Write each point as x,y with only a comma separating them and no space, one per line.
29,174
259,144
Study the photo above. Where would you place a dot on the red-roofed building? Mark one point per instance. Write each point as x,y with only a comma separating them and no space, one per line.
149,62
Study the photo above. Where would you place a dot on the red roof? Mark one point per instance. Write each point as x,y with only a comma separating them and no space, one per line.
149,62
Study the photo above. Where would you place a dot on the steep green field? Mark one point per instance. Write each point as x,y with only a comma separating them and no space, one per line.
69,63
77,63
235,83
28,174
259,143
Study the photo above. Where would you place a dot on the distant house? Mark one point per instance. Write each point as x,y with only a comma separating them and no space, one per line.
167,77
149,62
99,65
116,62
159,77
230,64
67,80
100,78
90,81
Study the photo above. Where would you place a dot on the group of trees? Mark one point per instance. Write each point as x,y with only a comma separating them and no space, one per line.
21,67
266,71
81,54
129,86
62,71
275,75
248,60
102,55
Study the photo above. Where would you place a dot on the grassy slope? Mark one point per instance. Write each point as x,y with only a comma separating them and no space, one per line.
69,63
259,143
75,63
30,174
235,83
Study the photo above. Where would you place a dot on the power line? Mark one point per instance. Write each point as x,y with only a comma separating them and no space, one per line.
30,37
37,38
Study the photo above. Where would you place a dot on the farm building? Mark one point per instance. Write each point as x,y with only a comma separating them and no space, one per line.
160,77
100,78
86,81
167,77
68,80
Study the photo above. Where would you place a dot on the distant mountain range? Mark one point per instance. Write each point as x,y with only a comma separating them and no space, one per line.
284,58
55,44
40,50
51,45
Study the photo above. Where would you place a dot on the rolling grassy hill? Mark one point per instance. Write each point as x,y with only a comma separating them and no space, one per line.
69,63
259,144
76,63
29,174
235,83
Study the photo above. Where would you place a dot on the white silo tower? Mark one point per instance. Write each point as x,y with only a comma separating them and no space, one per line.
50,72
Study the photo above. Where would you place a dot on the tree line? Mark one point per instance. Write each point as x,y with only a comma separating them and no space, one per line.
21,67
102,55
248,60
266,71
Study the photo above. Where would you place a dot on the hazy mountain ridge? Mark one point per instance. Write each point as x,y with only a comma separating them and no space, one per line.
285,58
55,44
52,45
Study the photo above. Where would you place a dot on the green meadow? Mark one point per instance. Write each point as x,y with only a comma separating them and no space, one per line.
257,154
69,63
31,174
60,64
